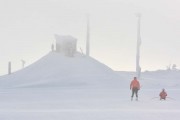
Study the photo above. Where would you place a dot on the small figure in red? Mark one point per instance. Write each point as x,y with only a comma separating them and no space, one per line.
163,94
135,86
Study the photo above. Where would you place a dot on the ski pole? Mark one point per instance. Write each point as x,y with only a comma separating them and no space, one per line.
171,98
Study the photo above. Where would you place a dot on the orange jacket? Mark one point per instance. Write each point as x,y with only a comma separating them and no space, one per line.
134,84
163,94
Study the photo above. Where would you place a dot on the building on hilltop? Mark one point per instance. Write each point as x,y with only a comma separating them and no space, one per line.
66,45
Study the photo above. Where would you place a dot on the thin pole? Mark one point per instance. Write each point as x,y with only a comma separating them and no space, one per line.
88,37
23,63
138,68
9,68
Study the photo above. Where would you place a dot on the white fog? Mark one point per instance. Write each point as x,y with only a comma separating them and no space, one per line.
89,60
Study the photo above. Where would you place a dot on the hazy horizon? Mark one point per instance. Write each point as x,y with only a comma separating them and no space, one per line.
28,28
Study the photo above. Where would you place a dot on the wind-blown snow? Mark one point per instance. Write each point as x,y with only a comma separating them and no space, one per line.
80,88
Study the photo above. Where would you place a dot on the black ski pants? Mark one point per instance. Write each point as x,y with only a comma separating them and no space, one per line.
134,90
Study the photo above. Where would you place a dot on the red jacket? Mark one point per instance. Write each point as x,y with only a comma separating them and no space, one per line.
163,94
134,84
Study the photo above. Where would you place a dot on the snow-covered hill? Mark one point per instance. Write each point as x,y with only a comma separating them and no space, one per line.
57,70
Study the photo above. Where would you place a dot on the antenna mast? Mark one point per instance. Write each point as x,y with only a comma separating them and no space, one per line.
138,68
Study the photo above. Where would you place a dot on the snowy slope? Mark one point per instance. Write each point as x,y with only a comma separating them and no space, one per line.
80,88
58,70
86,104
162,78
169,79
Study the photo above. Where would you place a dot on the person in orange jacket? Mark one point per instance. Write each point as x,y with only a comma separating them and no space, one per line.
135,86
163,94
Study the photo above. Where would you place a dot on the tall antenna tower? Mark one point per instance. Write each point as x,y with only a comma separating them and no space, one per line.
138,68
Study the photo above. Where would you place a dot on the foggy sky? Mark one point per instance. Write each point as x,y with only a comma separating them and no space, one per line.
27,30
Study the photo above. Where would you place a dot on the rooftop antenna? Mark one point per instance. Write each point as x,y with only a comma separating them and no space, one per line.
88,37
138,68
23,63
